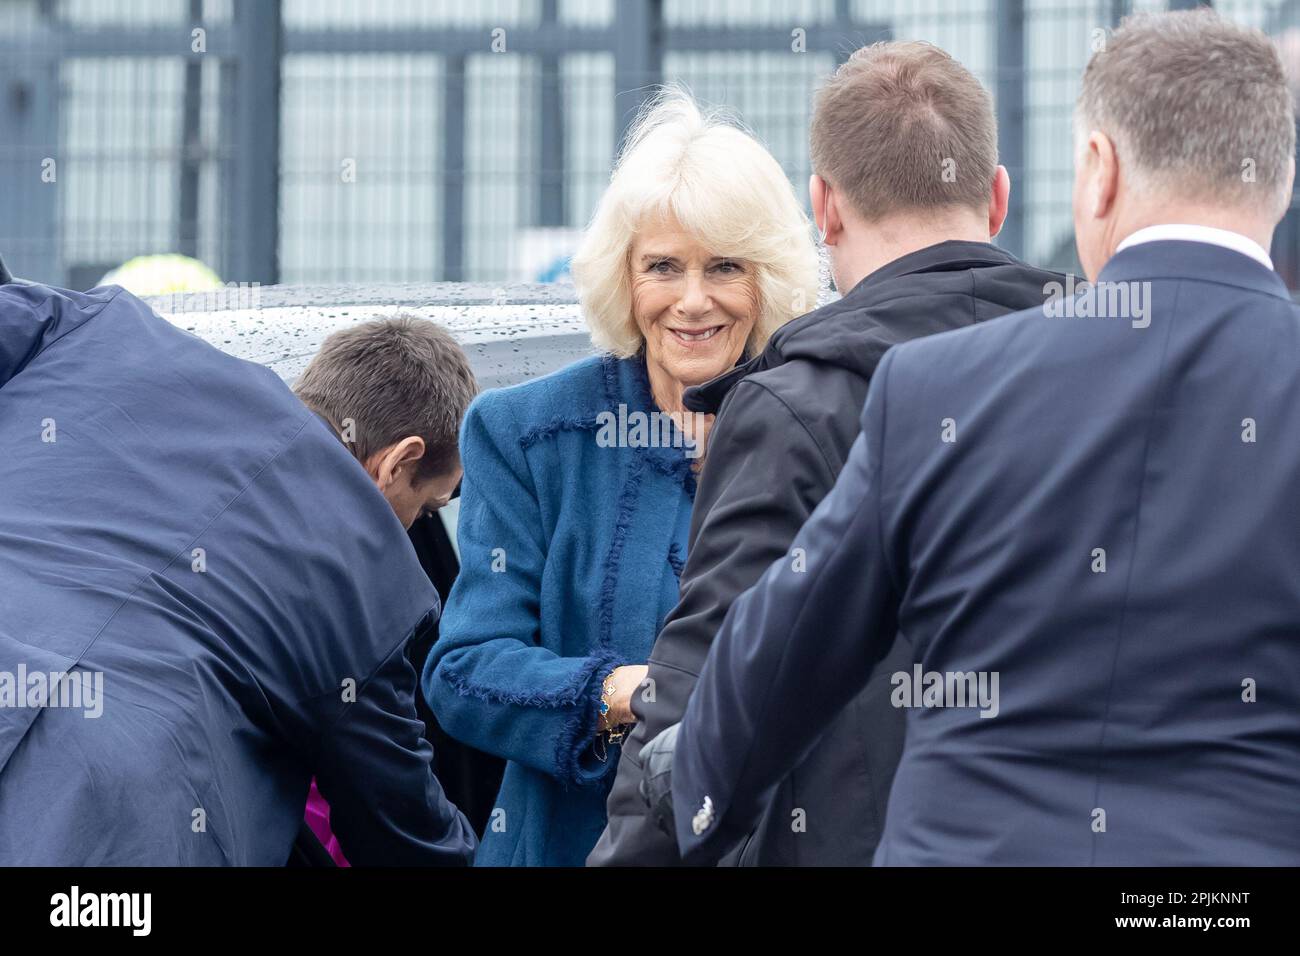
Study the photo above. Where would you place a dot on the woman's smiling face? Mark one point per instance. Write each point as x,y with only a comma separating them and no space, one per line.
695,309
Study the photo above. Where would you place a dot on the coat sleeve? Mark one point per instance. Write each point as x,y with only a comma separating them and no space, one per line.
374,767
791,653
487,679
747,511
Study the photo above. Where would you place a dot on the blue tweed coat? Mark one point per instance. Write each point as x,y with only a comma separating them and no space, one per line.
570,556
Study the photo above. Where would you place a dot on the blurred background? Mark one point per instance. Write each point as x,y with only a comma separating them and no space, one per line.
376,141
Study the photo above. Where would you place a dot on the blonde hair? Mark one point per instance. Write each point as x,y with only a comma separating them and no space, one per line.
725,189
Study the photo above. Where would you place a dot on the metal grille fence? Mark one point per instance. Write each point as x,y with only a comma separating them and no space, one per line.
416,140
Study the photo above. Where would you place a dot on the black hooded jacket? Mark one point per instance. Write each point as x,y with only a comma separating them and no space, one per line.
785,422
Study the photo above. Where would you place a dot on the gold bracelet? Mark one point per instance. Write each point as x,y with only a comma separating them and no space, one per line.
606,692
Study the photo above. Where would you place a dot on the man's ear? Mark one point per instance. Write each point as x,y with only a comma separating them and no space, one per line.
999,200
825,209
1286,196
1103,174
400,458
817,196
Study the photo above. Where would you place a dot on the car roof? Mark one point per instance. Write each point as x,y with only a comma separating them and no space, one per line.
510,332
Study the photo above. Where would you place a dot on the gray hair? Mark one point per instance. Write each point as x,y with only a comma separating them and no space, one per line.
392,378
1197,105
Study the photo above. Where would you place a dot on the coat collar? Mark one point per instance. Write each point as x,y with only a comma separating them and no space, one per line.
951,256
627,382
1181,259
1194,232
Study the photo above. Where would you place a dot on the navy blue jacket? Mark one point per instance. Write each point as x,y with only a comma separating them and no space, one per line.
208,561
1102,513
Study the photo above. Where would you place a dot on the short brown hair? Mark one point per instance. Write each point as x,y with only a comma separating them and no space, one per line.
392,378
1196,104
902,125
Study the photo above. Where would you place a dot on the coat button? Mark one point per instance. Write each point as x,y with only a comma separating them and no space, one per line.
703,818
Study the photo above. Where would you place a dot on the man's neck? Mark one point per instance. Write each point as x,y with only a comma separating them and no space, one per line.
865,247
1255,227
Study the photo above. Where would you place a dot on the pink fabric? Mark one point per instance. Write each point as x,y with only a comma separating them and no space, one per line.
318,818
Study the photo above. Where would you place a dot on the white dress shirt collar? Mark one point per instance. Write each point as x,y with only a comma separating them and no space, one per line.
1192,233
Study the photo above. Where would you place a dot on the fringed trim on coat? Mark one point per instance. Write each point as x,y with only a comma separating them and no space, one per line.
675,560
627,501
580,727
565,696
669,462
671,465
535,434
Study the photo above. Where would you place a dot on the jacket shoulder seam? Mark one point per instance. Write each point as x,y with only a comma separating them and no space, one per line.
72,331
793,414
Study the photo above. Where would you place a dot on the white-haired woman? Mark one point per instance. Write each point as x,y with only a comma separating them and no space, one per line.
578,486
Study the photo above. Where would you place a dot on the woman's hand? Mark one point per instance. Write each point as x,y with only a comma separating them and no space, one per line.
625,681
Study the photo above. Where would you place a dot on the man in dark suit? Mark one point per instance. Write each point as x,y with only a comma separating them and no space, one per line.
1082,516
908,195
